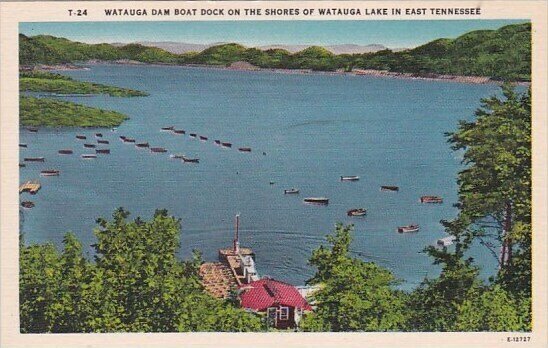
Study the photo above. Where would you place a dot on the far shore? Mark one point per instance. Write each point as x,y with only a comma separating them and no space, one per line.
244,66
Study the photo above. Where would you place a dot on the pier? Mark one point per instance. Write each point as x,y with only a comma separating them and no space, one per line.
32,187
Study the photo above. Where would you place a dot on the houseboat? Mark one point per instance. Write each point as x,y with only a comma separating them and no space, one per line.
34,159
292,191
65,152
103,151
350,178
49,172
317,200
90,146
89,156
226,144
408,228
102,142
81,137
167,129
244,149
27,204
431,199
357,212
158,149
390,188
142,145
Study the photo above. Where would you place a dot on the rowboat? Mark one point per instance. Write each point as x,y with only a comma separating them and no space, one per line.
102,142
98,135
81,137
292,191
226,144
191,160
447,241
158,149
217,142
90,146
170,128
32,129
357,212
176,156
244,149
317,200
103,151
142,145
34,159
49,172
129,140
27,204
431,199
193,135
89,156
390,188
408,228
350,178
22,145
22,165
178,131
123,137
65,152
203,138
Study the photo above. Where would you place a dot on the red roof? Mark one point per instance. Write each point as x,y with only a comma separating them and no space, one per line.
262,294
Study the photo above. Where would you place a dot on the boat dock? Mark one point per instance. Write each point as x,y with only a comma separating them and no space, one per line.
30,186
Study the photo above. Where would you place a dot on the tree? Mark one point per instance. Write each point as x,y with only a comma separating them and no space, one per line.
354,295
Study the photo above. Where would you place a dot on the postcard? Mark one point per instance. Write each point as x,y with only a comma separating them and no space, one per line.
317,174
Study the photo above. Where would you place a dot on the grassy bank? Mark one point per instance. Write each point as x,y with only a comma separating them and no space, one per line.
55,113
39,81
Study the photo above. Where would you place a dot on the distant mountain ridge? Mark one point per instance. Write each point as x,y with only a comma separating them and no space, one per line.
502,54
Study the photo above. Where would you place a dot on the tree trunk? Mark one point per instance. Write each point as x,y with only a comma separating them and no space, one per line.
506,252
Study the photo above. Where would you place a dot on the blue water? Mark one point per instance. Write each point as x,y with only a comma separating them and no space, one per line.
313,128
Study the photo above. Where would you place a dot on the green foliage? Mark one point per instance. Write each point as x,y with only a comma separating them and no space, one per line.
56,113
69,86
503,54
354,295
135,284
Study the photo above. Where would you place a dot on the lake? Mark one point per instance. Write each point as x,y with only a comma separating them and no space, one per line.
313,128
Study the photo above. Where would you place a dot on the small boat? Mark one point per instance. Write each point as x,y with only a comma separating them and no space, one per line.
203,138
357,212
34,159
390,188
176,156
129,140
22,165
191,160
244,149
113,129
292,191
165,129
103,151
158,149
179,131
272,183
98,135
90,146
123,137
317,200
102,142
27,204
49,172
89,156
82,137
142,145
447,241
32,129
23,145
408,228
350,178
431,199
65,152
217,142
226,144
193,135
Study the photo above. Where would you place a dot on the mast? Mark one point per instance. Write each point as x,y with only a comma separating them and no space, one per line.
236,235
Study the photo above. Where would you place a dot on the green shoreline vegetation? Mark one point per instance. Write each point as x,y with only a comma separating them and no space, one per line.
136,283
503,54
56,113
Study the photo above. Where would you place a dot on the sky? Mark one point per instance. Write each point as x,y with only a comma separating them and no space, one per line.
392,34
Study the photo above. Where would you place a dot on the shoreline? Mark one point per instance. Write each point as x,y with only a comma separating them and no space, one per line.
480,80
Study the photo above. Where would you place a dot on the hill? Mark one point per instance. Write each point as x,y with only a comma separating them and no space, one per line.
503,54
